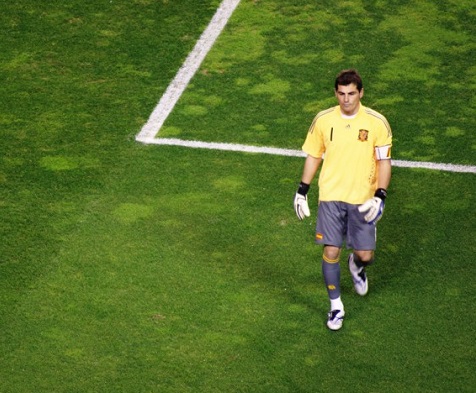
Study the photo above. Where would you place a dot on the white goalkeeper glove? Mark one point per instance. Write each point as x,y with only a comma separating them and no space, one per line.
301,207
373,208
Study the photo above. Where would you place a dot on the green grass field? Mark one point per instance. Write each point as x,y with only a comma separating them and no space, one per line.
127,267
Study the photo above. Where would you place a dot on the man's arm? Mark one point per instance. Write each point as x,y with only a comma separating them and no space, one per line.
311,165
301,207
373,208
384,173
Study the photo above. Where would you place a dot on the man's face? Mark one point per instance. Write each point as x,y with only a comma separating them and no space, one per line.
349,98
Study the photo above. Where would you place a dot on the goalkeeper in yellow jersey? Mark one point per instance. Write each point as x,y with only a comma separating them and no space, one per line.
353,145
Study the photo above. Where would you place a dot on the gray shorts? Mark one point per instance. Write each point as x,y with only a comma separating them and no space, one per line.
339,221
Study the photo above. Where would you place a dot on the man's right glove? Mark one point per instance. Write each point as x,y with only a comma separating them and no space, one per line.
301,207
373,208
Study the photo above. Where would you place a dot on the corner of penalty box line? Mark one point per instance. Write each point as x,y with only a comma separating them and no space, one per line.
147,140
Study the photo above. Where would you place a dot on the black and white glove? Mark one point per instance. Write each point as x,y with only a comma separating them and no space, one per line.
301,207
373,208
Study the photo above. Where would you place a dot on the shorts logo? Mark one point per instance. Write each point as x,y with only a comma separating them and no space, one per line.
319,236
363,135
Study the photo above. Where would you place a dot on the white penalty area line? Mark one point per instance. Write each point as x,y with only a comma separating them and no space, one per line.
187,71
298,153
150,130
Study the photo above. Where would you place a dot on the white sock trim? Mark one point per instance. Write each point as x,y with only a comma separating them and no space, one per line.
336,304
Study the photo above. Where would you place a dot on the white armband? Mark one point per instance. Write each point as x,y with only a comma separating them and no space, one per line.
383,152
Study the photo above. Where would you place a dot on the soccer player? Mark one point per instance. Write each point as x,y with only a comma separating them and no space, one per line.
353,144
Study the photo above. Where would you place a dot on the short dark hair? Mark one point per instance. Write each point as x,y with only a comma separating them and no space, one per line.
346,77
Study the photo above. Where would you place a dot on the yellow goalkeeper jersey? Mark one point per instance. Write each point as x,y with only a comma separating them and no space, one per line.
350,148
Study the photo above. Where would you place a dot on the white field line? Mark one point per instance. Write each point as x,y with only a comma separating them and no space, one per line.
150,130
187,71
299,153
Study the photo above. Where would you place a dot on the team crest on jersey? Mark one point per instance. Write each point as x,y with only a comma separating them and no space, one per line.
363,135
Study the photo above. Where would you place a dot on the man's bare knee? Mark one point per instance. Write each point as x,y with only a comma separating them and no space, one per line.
365,256
331,252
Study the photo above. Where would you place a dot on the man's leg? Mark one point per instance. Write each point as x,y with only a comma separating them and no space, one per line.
331,273
358,260
330,232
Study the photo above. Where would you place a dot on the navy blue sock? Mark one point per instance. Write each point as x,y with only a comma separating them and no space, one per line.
331,273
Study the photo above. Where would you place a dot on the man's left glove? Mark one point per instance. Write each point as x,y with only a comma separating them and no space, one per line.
301,207
373,208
